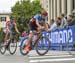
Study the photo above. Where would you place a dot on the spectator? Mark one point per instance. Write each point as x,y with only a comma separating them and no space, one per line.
63,21
48,25
58,21
53,25
24,34
70,20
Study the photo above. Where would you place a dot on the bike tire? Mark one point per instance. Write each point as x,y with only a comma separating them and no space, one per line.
2,46
41,42
22,46
13,43
70,51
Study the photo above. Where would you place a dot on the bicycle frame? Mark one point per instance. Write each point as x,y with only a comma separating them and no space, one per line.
39,34
35,42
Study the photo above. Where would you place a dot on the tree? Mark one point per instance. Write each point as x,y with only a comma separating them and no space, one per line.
24,10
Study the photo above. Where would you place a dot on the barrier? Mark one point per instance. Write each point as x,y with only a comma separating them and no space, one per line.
61,38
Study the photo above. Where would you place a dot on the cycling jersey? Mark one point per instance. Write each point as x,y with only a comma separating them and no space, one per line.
10,26
33,25
39,18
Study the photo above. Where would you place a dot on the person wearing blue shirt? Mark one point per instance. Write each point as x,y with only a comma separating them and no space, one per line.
38,22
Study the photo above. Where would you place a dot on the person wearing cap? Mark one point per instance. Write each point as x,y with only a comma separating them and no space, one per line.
38,22
10,25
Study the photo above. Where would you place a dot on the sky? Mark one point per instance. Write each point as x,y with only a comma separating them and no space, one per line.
5,5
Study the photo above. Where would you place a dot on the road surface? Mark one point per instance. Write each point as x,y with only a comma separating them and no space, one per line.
33,57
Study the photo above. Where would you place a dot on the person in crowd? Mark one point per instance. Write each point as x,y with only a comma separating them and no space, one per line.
63,21
58,22
48,25
24,34
55,24
70,20
51,22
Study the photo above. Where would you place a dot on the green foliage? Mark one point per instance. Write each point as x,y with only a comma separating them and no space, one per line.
2,35
24,11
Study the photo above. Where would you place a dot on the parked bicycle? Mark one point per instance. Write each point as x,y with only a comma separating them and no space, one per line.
12,45
41,44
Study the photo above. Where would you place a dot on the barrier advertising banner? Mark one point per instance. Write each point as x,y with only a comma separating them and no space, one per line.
62,37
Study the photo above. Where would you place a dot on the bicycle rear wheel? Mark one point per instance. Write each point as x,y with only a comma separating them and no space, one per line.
12,46
42,46
23,45
2,47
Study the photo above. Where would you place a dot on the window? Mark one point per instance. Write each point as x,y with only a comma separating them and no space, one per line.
60,6
3,18
46,1
52,8
46,6
73,4
66,6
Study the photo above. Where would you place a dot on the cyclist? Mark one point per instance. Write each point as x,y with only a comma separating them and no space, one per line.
10,25
37,23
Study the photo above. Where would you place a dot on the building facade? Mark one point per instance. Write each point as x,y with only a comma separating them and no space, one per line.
57,7
3,18
44,4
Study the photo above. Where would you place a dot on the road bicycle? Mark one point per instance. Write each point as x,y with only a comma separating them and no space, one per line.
41,44
70,46
12,44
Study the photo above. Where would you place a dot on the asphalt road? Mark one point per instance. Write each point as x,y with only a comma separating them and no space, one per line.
53,59
16,58
33,57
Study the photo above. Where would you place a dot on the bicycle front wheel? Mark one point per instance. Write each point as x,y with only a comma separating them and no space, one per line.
23,45
42,46
12,46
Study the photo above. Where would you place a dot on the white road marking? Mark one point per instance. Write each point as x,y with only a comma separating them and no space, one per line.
49,56
51,60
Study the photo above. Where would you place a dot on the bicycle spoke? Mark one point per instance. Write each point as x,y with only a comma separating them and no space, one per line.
12,46
42,47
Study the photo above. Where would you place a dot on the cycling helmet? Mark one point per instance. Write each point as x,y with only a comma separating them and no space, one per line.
44,13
